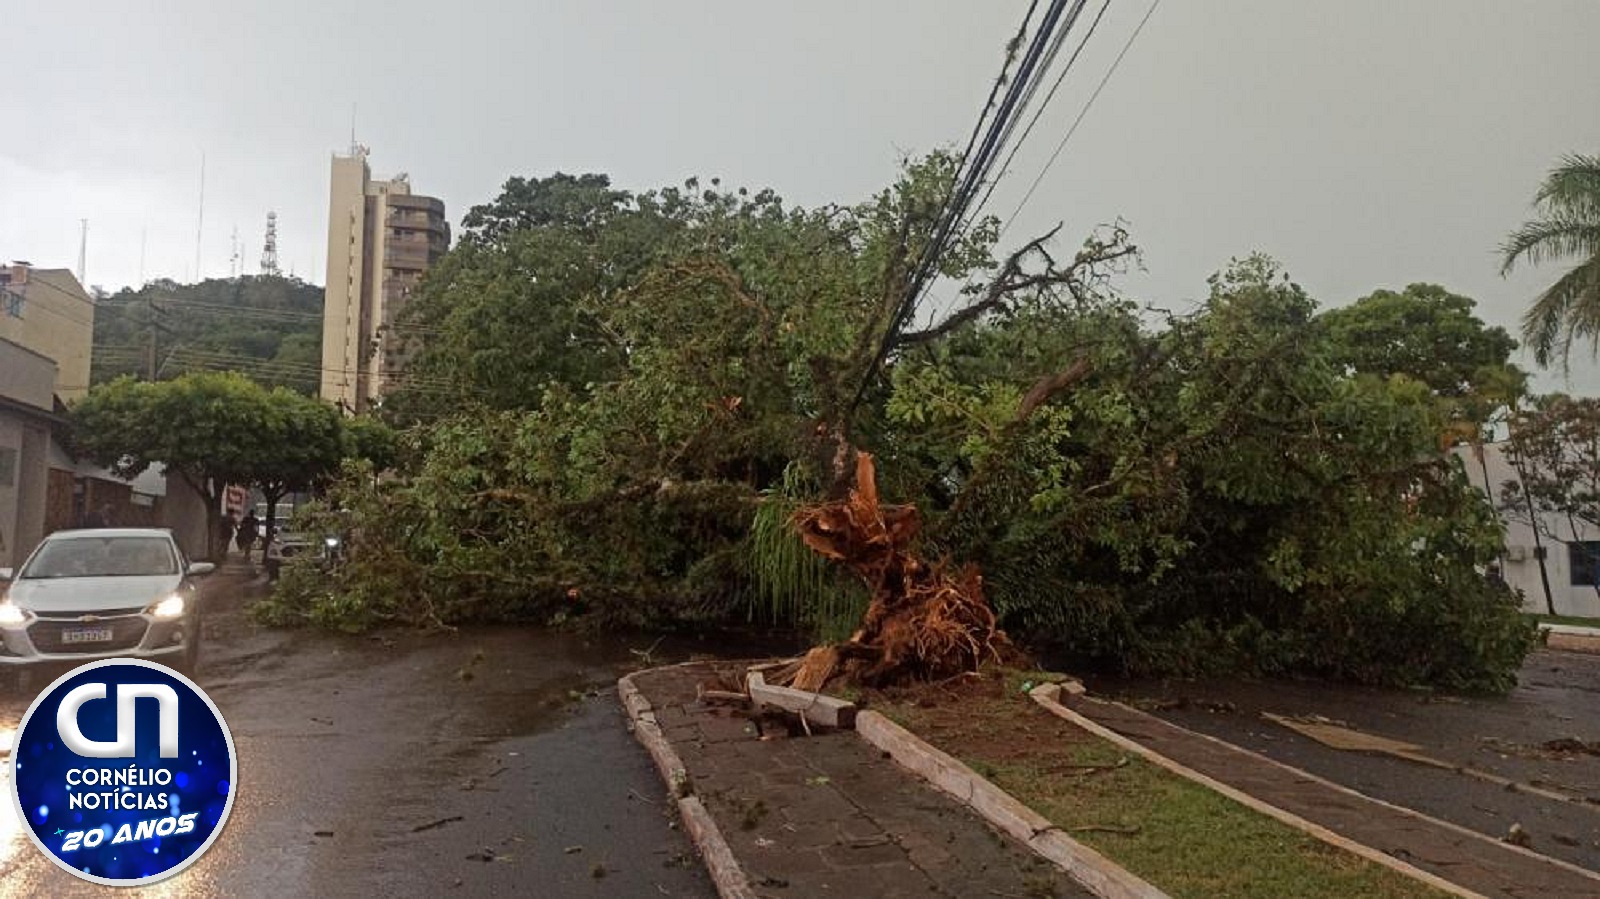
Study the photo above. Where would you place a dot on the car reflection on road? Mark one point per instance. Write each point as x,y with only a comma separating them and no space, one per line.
11,835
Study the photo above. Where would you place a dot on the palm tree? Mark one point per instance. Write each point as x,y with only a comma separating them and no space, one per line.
1569,205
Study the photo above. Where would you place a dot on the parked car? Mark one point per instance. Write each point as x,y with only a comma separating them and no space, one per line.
101,593
285,546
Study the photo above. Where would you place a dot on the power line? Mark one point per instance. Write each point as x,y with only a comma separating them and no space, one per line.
185,356
1000,80
977,168
37,303
973,172
35,280
1038,113
1089,104
1031,88
219,308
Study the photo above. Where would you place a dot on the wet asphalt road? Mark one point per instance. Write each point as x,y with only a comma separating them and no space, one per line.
1518,737
479,763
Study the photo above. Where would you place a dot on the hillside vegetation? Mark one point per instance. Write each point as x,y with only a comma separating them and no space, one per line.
267,327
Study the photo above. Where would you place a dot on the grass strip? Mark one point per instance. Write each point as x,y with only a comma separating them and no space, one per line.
1178,835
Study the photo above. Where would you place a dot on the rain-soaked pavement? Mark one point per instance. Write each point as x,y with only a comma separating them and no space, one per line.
1544,735
486,762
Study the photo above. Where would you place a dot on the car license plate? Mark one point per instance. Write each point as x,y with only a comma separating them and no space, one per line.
86,635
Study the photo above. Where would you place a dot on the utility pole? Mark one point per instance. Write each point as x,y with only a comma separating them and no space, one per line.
150,351
200,219
83,254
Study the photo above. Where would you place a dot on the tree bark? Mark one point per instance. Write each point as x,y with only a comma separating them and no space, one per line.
1538,541
272,493
211,493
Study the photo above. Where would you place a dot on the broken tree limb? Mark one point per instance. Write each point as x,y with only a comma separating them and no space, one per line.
923,621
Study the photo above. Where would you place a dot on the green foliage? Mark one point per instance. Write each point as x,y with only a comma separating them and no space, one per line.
211,430
1216,496
1424,332
265,326
1554,446
647,385
791,583
1568,227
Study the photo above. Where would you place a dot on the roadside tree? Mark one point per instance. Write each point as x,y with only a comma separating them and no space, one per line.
211,430
1555,449
1567,227
207,429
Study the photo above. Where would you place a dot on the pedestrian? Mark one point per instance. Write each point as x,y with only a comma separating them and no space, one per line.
226,529
100,518
249,529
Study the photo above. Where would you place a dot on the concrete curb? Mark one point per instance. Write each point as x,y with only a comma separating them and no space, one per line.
729,878
1094,871
1048,696
1570,639
1571,630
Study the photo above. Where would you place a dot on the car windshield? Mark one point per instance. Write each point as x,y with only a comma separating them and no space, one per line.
103,557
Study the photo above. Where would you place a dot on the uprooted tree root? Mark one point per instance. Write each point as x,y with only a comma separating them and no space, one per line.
923,621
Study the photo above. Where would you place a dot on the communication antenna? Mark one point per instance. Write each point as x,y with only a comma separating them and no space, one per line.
144,238
83,252
269,248
200,220
233,258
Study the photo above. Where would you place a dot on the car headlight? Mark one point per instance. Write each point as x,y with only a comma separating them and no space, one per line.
11,613
169,608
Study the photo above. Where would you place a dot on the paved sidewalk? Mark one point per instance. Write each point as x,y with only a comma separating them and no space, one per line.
1470,860
827,815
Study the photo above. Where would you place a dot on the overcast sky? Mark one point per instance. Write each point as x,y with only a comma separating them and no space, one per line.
1365,144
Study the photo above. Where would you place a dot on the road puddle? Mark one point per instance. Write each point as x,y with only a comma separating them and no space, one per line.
11,836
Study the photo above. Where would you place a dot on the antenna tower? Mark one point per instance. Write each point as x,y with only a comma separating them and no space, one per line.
269,249
233,260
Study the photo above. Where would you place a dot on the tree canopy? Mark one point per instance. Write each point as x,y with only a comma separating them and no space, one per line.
645,386
1424,332
1567,227
266,326
213,430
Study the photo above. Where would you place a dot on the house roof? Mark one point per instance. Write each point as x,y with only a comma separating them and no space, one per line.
10,405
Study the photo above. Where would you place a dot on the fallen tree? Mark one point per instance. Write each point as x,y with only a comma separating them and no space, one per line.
924,620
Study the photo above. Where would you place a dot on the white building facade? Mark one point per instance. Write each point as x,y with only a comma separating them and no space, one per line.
1570,550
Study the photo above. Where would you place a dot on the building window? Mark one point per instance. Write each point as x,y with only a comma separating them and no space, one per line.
1583,557
14,303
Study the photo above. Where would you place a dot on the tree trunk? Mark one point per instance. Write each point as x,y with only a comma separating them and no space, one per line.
211,494
1538,542
272,493
923,621
1483,465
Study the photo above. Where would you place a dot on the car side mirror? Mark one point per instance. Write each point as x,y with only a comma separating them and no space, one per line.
198,569
6,574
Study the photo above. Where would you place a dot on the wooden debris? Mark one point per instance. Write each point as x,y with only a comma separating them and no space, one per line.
814,708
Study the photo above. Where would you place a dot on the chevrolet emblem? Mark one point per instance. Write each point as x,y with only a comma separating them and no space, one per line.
89,618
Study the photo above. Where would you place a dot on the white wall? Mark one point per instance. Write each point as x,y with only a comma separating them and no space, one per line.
1521,564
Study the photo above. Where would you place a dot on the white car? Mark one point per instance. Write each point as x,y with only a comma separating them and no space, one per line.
102,593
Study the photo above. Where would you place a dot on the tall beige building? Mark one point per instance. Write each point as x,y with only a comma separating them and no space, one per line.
46,336
47,311
381,238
